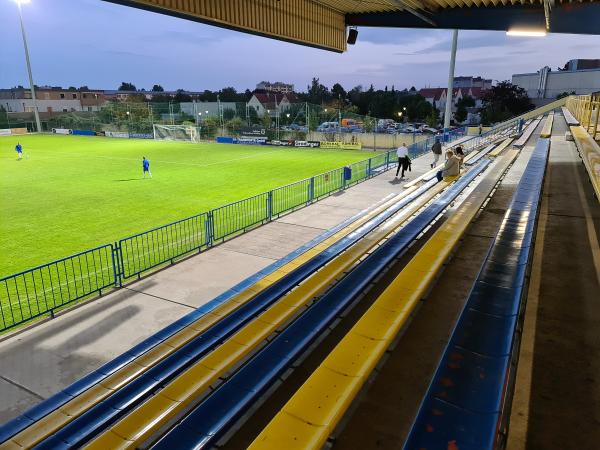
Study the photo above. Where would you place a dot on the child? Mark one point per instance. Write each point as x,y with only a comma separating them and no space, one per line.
146,167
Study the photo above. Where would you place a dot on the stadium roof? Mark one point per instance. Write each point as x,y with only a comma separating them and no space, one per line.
323,23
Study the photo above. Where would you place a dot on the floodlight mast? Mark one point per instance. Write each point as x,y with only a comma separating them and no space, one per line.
35,106
448,112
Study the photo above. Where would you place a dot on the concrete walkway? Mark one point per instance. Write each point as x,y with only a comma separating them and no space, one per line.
38,362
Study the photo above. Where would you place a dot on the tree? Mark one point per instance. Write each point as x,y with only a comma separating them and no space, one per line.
3,117
127,87
84,88
338,91
182,96
157,88
228,94
266,120
317,93
461,108
433,118
503,101
564,94
228,114
235,125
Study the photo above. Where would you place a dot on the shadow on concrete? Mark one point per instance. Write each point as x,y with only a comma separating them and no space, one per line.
39,353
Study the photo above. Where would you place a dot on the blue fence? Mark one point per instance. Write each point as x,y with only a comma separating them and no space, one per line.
44,289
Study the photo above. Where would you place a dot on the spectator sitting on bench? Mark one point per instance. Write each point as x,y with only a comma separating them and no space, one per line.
451,167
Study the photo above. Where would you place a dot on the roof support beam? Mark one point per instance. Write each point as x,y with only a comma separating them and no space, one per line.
548,4
402,4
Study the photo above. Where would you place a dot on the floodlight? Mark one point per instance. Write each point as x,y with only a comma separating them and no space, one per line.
526,33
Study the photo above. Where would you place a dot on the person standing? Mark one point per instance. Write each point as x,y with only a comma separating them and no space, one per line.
146,167
403,159
436,149
19,150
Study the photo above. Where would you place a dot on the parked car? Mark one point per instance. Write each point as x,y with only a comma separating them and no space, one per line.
329,127
429,130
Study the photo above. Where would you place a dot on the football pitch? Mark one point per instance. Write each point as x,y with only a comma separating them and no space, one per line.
71,193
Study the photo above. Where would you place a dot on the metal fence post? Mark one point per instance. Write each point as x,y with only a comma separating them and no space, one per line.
368,174
116,257
311,190
210,229
269,206
387,160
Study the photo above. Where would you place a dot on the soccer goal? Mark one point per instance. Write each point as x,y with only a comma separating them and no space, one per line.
176,133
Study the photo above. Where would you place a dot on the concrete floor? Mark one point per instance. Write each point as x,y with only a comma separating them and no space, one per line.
557,395
38,362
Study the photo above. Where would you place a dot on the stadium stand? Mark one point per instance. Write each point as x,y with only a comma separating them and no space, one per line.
313,413
589,150
547,129
182,391
475,144
494,153
470,392
148,370
210,419
571,121
519,143
476,158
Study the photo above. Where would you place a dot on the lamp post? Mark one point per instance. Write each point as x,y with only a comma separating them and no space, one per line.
449,93
31,86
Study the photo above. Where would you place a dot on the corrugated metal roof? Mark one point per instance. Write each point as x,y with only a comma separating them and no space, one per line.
322,23
373,6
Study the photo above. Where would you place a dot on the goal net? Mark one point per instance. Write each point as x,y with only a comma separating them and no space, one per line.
176,133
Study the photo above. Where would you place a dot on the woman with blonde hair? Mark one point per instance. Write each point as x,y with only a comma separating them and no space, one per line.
451,167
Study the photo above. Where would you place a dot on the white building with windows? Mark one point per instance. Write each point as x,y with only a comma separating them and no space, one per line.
548,84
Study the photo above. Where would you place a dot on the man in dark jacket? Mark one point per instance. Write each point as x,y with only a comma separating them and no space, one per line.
436,149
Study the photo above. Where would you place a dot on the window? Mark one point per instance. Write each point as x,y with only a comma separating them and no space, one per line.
89,108
62,95
74,95
84,95
65,110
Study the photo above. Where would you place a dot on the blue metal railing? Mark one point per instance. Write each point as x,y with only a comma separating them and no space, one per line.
44,289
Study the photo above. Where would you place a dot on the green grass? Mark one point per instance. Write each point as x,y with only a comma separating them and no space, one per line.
73,193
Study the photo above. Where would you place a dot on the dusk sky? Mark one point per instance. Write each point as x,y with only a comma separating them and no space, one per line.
99,44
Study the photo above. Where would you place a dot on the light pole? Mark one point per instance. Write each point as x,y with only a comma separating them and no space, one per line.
448,112
35,107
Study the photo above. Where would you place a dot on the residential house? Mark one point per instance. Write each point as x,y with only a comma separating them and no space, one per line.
51,100
271,103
